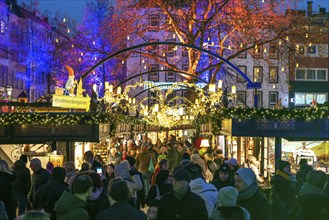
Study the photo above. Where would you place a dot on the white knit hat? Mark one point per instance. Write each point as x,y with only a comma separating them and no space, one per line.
247,175
227,196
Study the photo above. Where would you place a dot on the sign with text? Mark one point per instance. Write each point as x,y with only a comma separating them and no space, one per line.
63,101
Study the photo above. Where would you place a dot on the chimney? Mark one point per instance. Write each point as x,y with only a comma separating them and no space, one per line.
309,8
322,11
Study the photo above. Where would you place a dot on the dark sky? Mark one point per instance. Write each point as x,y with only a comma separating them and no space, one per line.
75,7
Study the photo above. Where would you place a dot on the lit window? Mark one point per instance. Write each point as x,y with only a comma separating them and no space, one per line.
2,27
303,98
273,77
258,74
153,22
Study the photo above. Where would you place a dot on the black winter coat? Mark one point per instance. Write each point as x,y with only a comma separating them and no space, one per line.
151,196
47,195
22,184
283,197
6,181
122,211
191,207
258,206
39,178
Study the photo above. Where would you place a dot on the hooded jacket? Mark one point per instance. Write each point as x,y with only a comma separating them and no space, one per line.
70,207
206,191
312,203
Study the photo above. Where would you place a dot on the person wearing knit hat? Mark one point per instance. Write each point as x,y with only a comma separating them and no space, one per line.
284,191
249,195
312,201
180,202
227,205
223,177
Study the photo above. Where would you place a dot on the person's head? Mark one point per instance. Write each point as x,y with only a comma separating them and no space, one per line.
194,170
162,176
302,162
85,166
118,190
163,149
69,166
284,166
253,160
227,197
99,159
244,177
4,167
132,152
224,172
89,156
233,163
19,164
35,215
317,178
180,183
50,166
23,158
58,174
110,168
82,186
164,164
35,164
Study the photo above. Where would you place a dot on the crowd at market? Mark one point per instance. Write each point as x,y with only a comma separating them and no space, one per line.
166,180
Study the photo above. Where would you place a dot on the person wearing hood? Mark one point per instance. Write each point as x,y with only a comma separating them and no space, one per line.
131,177
97,200
283,191
312,202
199,186
120,209
181,203
227,208
196,159
250,197
22,185
73,206
47,195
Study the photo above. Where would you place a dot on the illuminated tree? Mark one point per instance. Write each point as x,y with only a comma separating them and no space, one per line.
227,27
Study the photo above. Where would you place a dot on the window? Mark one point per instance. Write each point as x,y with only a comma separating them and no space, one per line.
2,26
273,75
241,98
171,49
258,74
312,50
272,99
154,48
258,52
313,74
260,98
273,51
153,22
3,75
240,78
154,76
306,98
170,77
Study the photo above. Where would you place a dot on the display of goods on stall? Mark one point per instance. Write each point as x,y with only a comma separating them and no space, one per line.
101,150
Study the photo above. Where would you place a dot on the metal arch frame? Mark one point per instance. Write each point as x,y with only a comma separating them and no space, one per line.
250,84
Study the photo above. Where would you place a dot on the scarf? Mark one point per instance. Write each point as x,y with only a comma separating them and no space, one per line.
284,175
248,192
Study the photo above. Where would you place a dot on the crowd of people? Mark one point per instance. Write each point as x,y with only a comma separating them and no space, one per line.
165,181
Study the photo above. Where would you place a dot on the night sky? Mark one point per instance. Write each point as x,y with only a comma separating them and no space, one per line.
75,7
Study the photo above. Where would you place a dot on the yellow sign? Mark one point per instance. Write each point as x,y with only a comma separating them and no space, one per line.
63,101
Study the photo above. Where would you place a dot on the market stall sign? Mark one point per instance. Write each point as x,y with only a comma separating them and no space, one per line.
71,102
